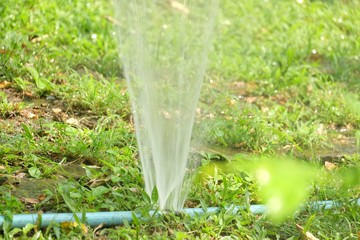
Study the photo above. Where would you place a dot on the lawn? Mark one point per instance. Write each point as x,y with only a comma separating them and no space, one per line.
283,82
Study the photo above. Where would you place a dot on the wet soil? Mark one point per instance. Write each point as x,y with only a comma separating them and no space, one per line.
31,110
25,108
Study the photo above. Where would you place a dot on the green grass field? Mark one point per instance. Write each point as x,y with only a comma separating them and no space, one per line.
283,82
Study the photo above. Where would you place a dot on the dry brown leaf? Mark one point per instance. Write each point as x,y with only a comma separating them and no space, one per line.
309,88
20,175
239,84
28,114
321,130
265,109
5,84
134,190
39,38
112,20
330,166
179,6
251,99
232,102
41,197
31,200
28,94
68,226
305,235
72,121
310,236
56,110
242,88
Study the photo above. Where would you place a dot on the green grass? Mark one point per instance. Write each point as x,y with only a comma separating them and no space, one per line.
283,80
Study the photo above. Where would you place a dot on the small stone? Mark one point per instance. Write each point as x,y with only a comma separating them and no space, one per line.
50,98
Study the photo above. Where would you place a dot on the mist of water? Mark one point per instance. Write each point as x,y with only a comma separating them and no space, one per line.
163,45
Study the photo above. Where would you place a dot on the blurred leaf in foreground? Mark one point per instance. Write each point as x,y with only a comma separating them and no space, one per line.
283,181
284,184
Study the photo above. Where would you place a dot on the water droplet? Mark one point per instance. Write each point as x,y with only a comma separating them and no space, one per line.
93,36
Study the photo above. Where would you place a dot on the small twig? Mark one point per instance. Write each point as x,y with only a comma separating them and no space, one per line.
305,235
112,20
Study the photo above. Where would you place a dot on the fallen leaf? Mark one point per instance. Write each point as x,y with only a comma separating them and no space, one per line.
70,225
309,88
134,190
28,94
330,166
72,121
265,109
31,200
112,20
305,235
41,197
232,102
39,38
3,51
56,110
310,236
251,99
20,175
239,84
179,6
28,114
321,130
5,84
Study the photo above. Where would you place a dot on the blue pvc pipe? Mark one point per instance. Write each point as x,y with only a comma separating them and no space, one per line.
117,218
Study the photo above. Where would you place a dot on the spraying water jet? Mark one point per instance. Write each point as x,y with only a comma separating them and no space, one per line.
164,46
